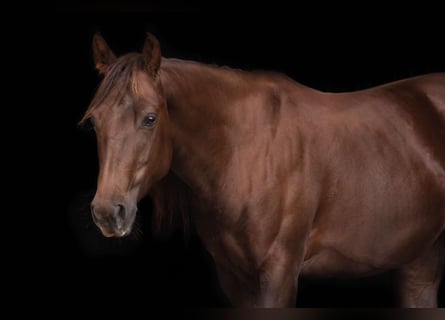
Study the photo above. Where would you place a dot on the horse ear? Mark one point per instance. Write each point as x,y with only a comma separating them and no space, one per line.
152,54
103,56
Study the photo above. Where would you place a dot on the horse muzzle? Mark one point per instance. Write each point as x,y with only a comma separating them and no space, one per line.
114,219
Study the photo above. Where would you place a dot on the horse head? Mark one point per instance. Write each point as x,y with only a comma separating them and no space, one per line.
131,123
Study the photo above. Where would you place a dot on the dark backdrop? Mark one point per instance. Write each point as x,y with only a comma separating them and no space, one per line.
332,50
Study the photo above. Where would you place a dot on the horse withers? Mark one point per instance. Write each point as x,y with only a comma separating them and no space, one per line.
279,180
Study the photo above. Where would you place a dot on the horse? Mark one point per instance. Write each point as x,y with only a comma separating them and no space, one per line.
278,179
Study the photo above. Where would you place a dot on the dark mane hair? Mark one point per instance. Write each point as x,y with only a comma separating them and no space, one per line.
172,206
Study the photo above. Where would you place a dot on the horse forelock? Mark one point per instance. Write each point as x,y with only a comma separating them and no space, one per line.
119,80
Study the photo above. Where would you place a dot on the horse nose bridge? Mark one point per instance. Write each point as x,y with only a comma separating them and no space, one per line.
110,178
113,161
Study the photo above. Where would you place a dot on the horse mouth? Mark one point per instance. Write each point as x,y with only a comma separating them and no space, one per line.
114,231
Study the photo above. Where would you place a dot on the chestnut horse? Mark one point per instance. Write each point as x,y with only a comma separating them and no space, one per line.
280,180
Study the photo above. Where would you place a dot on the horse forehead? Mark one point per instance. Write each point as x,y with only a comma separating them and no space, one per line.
114,109
144,86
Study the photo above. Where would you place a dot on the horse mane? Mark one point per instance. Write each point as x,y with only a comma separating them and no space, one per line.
171,206
118,79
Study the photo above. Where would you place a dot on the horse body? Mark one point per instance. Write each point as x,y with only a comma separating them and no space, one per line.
382,202
365,179
285,180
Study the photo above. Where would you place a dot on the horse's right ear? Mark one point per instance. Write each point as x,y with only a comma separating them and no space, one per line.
103,56
152,54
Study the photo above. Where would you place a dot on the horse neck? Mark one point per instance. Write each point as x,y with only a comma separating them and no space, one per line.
199,100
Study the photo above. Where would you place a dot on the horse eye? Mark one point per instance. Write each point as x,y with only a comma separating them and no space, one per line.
149,120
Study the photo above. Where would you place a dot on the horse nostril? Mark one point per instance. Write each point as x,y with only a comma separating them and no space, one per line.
93,214
111,218
121,212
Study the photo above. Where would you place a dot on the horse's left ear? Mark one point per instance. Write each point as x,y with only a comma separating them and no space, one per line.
152,54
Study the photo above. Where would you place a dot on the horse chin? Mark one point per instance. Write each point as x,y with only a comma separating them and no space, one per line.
115,233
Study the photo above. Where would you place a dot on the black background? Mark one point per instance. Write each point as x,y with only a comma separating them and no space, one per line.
325,47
